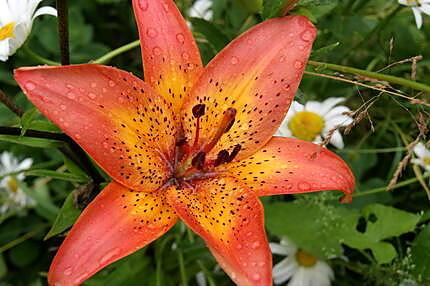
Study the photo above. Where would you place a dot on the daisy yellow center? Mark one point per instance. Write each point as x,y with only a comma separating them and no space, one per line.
427,160
305,259
12,184
306,125
7,31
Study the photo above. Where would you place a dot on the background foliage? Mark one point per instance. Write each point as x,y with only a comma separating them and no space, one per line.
382,238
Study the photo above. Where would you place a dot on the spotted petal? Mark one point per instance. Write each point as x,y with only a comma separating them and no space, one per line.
291,166
117,118
118,222
229,218
258,75
170,55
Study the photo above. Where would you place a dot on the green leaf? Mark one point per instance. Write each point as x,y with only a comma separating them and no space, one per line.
272,8
73,168
32,142
331,224
254,6
44,125
3,266
211,32
65,218
56,175
44,206
421,253
27,119
25,253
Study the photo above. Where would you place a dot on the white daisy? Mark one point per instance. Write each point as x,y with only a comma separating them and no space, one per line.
16,20
299,268
11,196
423,156
418,7
201,9
316,120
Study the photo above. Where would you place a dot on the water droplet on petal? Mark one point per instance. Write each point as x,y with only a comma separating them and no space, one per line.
151,32
156,51
108,256
30,85
92,95
81,278
93,85
105,145
286,87
307,36
180,37
262,263
239,246
77,136
185,56
143,4
298,64
71,95
111,83
249,234
62,107
234,60
68,271
304,186
282,59
256,277
255,245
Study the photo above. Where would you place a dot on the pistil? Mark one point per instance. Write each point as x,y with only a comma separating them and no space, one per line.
225,125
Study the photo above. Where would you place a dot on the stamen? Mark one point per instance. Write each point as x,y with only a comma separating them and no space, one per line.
225,125
234,153
199,160
222,157
198,111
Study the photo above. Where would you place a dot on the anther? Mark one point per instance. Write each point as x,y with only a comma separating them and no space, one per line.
199,110
199,160
234,153
224,126
222,157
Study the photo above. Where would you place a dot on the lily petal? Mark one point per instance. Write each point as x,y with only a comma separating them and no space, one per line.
118,222
170,55
229,218
120,122
256,79
291,166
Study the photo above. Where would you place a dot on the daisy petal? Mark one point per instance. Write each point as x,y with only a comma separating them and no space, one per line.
329,103
45,11
418,17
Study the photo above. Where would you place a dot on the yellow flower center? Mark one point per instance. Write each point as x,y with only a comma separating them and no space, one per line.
7,31
12,184
305,259
427,160
306,125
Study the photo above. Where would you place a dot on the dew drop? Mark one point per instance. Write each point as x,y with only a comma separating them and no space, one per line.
234,60
304,186
244,264
69,86
180,37
30,85
81,278
62,107
156,51
105,145
282,59
151,32
143,4
185,56
68,271
108,256
111,83
71,95
298,64
249,234
255,245
239,246
92,95
256,277
262,263
77,136
93,85
307,36
286,87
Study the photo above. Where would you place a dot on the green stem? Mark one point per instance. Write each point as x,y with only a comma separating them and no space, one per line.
184,280
374,75
372,151
107,57
38,58
22,238
384,189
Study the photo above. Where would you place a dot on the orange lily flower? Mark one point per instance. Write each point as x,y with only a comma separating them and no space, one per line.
189,143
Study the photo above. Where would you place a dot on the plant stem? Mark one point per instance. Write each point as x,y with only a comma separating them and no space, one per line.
107,57
10,104
384,189
373,75
63,30
22,238
38,58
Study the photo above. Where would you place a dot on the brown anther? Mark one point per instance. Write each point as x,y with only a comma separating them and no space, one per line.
222,157
199,160
199,110
234,153
181,141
